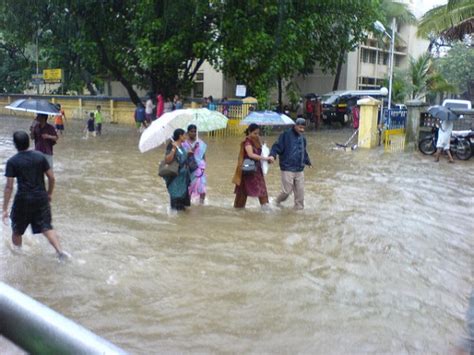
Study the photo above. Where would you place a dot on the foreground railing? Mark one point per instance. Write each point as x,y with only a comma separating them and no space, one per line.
38,329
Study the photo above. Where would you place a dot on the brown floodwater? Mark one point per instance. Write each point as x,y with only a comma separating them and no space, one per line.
380,260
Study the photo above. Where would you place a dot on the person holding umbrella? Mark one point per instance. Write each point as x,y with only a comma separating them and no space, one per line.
45,137
445,124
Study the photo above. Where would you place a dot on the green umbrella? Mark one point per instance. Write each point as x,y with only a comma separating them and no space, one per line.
205,120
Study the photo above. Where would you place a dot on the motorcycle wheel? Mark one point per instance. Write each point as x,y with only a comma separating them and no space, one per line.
463,150
426,146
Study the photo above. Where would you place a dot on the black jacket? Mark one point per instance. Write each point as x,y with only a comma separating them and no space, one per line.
291,147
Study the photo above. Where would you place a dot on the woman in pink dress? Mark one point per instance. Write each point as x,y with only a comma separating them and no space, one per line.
250,184
196,148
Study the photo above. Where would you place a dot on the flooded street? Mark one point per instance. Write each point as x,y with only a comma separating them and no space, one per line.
380,260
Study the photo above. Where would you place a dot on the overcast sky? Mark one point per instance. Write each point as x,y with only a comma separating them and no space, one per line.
419,7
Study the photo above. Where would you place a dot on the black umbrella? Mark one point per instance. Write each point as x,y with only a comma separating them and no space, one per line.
35,106
442,113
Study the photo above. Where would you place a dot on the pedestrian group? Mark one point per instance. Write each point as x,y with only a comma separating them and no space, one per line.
31,205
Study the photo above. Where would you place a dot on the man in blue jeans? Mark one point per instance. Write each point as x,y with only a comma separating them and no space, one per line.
32,202
291,148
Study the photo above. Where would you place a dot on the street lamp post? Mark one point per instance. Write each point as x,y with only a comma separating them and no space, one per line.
380,27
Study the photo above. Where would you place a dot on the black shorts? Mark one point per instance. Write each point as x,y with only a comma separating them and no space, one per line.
35,211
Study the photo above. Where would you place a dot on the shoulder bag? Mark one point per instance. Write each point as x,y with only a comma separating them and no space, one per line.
166,170
249,166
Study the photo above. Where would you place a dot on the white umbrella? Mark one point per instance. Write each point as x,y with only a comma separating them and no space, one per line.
162,129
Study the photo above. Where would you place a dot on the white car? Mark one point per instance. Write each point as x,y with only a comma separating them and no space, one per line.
457,104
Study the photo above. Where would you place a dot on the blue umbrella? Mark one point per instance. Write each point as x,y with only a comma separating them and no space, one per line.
35,106
442,113
267,118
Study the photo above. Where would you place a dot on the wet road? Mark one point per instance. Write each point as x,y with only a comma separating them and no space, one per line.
380,260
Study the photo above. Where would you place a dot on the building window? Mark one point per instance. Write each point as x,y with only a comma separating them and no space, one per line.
198,86
383,58
367,83
368,56
198,90
398,60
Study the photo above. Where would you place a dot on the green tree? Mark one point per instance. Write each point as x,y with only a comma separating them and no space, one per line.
450,22
156,45
401,86
262,43
458,66
15,68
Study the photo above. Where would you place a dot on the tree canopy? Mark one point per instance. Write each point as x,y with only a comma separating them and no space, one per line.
160,45
450,22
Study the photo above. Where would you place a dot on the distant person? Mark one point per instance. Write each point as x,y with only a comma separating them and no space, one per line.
300,109
355,116
140,117
178,103
225,107
90,126
445,128
159,106
178,186
318,112
210,104
168,105
196,148
310,108
99,119
291,148
59,120
286,110
31,205
253,183
45,137
149,106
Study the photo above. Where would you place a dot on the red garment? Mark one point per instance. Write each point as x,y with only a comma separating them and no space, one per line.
309,106
44,145
252,184
355,117
160,106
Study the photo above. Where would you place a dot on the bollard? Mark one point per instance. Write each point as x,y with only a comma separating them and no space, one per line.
40,330
368,133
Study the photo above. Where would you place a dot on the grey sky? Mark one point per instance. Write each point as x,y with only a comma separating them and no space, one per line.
419,7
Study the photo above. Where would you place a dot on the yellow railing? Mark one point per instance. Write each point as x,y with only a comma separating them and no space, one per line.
394,140
120,111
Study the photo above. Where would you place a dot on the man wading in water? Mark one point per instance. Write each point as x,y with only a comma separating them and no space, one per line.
31,203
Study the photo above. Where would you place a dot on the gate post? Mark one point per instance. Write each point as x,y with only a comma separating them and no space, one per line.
368,133
415,108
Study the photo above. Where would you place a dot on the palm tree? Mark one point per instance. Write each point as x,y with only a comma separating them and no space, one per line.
425,79
451,21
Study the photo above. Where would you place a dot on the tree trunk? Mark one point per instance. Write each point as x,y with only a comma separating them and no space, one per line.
335,85
86,76
280,94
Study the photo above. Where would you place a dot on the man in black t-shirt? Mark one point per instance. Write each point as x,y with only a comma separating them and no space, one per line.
31,203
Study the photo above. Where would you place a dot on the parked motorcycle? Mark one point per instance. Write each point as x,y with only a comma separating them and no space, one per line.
461,143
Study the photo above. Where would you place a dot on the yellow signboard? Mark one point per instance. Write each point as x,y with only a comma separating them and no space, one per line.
52,75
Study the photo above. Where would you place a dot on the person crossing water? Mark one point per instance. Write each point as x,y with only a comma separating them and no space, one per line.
31,205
